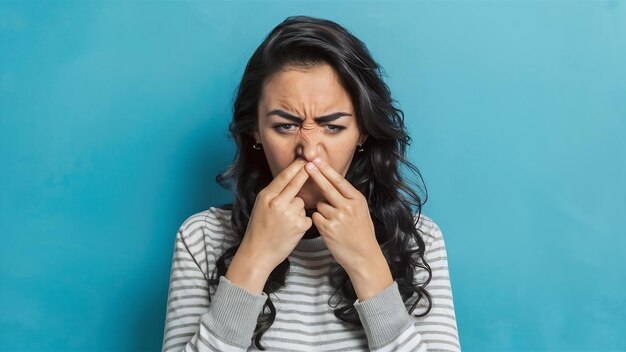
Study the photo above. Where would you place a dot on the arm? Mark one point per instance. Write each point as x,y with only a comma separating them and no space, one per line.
194,321
385,318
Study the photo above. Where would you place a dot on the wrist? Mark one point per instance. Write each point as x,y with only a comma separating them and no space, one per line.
246,275
370,278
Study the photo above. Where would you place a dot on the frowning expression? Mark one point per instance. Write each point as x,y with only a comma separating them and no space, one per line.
307,113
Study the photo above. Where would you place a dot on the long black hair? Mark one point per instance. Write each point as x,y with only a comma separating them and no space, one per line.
303,41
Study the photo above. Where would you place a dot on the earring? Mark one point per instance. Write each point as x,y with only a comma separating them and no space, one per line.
257,146
359,147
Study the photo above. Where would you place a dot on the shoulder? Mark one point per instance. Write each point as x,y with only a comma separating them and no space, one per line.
429,230
214,222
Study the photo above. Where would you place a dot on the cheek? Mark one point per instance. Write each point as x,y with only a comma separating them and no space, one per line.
341,165
342,157
277,158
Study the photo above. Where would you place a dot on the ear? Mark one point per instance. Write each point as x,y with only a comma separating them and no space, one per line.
256,136
362,138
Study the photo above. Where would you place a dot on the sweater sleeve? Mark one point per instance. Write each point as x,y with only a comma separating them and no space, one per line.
194,321
385,318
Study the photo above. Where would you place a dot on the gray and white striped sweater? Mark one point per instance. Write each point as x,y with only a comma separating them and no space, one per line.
304,320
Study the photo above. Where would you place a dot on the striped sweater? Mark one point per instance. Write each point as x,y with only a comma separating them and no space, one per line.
304,320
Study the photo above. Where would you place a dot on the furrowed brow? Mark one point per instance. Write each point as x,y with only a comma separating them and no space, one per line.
319,119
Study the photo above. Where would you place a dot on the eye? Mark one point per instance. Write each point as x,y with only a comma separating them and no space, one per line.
290,127
284,128
335,128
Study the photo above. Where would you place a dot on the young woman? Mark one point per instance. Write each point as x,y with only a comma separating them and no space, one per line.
324,247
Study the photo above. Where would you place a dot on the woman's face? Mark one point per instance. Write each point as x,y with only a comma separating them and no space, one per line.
305,113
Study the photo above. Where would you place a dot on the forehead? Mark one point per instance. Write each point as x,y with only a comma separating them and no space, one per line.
316,88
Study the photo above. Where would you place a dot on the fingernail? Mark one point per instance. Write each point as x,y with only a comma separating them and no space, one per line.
310,166
317,160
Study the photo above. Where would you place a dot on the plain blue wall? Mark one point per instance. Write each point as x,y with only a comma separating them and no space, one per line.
113,124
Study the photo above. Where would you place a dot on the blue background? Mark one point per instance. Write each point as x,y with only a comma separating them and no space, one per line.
113,125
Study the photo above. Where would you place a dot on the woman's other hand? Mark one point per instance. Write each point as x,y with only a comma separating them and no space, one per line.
344,222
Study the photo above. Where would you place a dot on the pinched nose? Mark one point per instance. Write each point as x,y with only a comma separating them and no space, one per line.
308,151
309,141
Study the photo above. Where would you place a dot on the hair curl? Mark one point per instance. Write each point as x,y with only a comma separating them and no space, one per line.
303,41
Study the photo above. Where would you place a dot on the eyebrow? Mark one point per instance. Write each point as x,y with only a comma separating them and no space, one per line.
319,119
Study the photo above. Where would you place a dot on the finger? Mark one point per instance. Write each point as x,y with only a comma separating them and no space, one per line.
299,202
328,190
336,179
284,177
290,191
325,209
319,221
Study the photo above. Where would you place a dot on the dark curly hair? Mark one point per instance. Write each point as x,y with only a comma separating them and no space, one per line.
302,41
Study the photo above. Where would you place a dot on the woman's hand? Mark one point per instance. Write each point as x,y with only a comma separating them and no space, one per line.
345,224
277,223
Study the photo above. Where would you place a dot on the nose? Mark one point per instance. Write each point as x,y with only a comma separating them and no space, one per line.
308,148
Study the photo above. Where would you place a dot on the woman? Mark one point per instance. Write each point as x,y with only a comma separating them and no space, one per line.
321,249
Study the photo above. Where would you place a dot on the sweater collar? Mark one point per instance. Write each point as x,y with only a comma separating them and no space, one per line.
315,244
